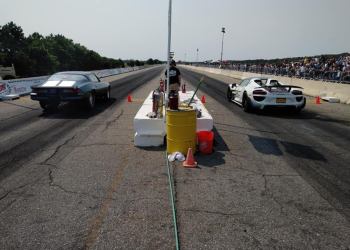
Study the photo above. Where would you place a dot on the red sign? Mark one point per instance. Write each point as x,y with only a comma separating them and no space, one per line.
2,87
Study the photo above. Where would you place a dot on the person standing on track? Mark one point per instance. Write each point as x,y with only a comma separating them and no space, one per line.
174,77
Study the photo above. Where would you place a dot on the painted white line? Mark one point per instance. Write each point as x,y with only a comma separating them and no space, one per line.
50,84
66,84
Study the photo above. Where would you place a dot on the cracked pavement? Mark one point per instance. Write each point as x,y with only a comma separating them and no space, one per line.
252,192
74,180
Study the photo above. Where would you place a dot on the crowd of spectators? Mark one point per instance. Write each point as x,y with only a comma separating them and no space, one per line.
330,68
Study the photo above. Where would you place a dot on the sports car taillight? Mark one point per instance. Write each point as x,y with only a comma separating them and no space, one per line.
259,95
259,92
297,92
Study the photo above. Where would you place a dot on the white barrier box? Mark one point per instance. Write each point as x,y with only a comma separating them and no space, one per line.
151,131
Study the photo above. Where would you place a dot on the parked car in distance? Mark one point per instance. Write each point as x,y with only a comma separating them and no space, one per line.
70,86
7,73
261,93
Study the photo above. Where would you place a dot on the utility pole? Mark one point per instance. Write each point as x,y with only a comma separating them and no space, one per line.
169,47
222,44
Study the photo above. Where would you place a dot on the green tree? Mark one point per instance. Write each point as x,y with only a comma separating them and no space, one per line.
150,61
131,63
12,41
39,55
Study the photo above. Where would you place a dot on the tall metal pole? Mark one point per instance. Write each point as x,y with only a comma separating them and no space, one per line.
168,52
222,44
197,56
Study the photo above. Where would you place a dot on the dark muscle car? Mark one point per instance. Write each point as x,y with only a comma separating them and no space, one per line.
68,87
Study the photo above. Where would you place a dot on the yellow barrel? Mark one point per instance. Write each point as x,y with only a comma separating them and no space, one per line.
181,130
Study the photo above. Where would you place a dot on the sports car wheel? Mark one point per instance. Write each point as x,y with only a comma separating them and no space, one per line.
229,94
297,110
247,107
90,101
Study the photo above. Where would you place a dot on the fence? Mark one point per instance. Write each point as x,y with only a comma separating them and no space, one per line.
303,73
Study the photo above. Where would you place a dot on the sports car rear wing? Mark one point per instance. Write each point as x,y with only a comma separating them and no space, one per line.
269,88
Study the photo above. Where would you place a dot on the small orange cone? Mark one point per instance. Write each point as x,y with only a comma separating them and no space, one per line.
318,100
190,162
203,99
129,98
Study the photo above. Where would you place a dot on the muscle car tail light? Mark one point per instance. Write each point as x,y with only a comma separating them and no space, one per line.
71,90
38,90
76,90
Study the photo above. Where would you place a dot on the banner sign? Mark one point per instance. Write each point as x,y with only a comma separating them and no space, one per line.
19,86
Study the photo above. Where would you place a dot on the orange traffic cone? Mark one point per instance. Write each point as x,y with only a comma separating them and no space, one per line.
318,100
203,99
129,98
190,162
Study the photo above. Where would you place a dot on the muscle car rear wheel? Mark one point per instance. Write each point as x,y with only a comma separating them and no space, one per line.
90,101
108,94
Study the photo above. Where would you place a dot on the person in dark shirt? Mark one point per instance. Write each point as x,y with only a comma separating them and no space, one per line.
174,77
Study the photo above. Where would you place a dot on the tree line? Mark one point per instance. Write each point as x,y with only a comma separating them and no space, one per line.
37,55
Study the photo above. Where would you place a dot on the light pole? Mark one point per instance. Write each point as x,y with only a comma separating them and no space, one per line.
169,47
197,56
222,44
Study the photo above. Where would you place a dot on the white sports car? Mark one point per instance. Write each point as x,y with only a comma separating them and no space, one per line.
261,93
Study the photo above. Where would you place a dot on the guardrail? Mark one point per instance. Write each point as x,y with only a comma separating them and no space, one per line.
20,87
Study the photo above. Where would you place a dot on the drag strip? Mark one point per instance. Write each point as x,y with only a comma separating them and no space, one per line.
314,143
24,133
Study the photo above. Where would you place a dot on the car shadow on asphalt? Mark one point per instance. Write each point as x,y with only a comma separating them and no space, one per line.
153,148
303,115
270,146
77,110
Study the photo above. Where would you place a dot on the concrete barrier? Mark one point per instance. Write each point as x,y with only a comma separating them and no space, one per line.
17,87
311,87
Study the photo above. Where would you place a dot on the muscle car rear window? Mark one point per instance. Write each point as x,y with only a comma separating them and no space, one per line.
68,77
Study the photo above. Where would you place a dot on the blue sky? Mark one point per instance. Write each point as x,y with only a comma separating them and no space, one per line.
138,28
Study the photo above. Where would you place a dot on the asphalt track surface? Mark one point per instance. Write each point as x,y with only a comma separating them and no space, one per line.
315,145
27,142
72,179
